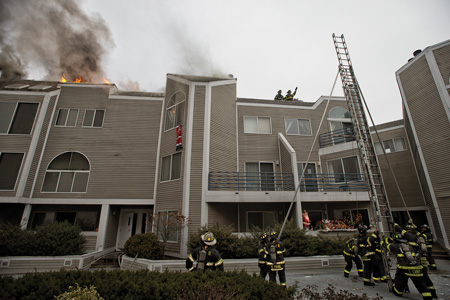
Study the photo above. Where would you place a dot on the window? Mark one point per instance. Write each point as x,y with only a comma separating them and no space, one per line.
175,110
67,117
344,169
257,125
10,164
297,126
167,225
259,176
17,117
392,145
93,118
339,113
171,167
67,173
309,181
261,219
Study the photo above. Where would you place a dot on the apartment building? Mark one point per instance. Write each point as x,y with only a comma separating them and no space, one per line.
424,84
107,160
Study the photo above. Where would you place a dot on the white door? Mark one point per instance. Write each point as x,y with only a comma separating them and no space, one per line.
125,228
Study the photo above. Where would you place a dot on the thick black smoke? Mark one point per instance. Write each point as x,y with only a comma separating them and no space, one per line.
53,35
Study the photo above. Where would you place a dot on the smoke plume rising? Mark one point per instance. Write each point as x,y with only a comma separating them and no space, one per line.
56,36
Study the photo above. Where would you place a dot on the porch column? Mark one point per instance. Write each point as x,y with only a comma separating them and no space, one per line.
103,222
25,216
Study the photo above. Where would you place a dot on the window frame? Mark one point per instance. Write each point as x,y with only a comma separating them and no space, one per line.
171,166
298,127
262,212
341,159
175,103
380,145
18,171
257,124
67,117
14,115
93,118
63,173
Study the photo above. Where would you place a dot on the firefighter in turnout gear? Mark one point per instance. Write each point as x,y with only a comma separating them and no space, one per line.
274,251
290,96
379,273
205,257
417,242
279,96
367,253
351,255
264,239
429,240
408,267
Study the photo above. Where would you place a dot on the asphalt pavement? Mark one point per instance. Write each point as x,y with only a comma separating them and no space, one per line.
354,284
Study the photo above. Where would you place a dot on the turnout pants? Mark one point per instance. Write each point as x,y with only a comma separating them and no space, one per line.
368,268
379,273
401,280
281,274
263,270
349,260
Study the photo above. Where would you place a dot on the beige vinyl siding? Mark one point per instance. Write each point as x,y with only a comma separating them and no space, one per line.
225,214
442,56
404,171
122,154
195,192
223,150
432,129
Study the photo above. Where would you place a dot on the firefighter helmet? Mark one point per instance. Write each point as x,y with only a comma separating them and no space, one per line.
279,91
208,239
289,91
411,228
362,229
263,236
425,227
273,235
398,238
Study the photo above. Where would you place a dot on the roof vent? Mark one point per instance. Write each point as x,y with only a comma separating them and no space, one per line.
17,86
40,87
417,52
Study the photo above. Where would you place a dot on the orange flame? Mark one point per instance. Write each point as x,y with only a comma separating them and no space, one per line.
106,81
63,78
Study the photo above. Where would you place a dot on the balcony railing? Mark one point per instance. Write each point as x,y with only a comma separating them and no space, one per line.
254,181
250,181
335,137
338,182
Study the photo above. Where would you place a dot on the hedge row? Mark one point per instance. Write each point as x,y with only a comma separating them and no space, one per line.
144,284
51,239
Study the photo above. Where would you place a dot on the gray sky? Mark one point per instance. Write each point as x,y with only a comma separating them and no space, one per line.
269,45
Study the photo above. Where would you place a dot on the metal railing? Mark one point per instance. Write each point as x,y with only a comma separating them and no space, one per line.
338,182
335,137
254,181
250,181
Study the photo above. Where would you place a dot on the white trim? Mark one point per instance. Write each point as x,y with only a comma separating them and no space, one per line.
425,168
388,129
44,146
158,154
102,227
124,97
206,155
78,201
26,93
316,104
440,84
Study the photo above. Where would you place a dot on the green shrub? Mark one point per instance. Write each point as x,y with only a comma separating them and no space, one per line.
144,245
144,284
80,293
52,239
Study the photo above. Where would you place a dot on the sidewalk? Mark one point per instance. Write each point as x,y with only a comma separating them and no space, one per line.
354,284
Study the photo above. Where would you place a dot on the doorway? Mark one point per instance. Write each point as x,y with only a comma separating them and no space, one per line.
133,222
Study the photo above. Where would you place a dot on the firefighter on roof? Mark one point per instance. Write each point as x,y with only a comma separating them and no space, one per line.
289,96
264,240
279,96
408,267
351,255
275,260
205,257
429,240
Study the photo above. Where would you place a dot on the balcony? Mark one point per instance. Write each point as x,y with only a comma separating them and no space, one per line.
336,137
254,181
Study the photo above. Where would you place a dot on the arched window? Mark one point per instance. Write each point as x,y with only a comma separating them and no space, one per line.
67,173
175,110
339,113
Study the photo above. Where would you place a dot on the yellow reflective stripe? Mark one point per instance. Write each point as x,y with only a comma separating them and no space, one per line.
410,268
345,271
260,250
397,291
191,258
219,263
426,294
261,262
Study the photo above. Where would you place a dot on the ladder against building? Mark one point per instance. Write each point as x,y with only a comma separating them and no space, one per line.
367,155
